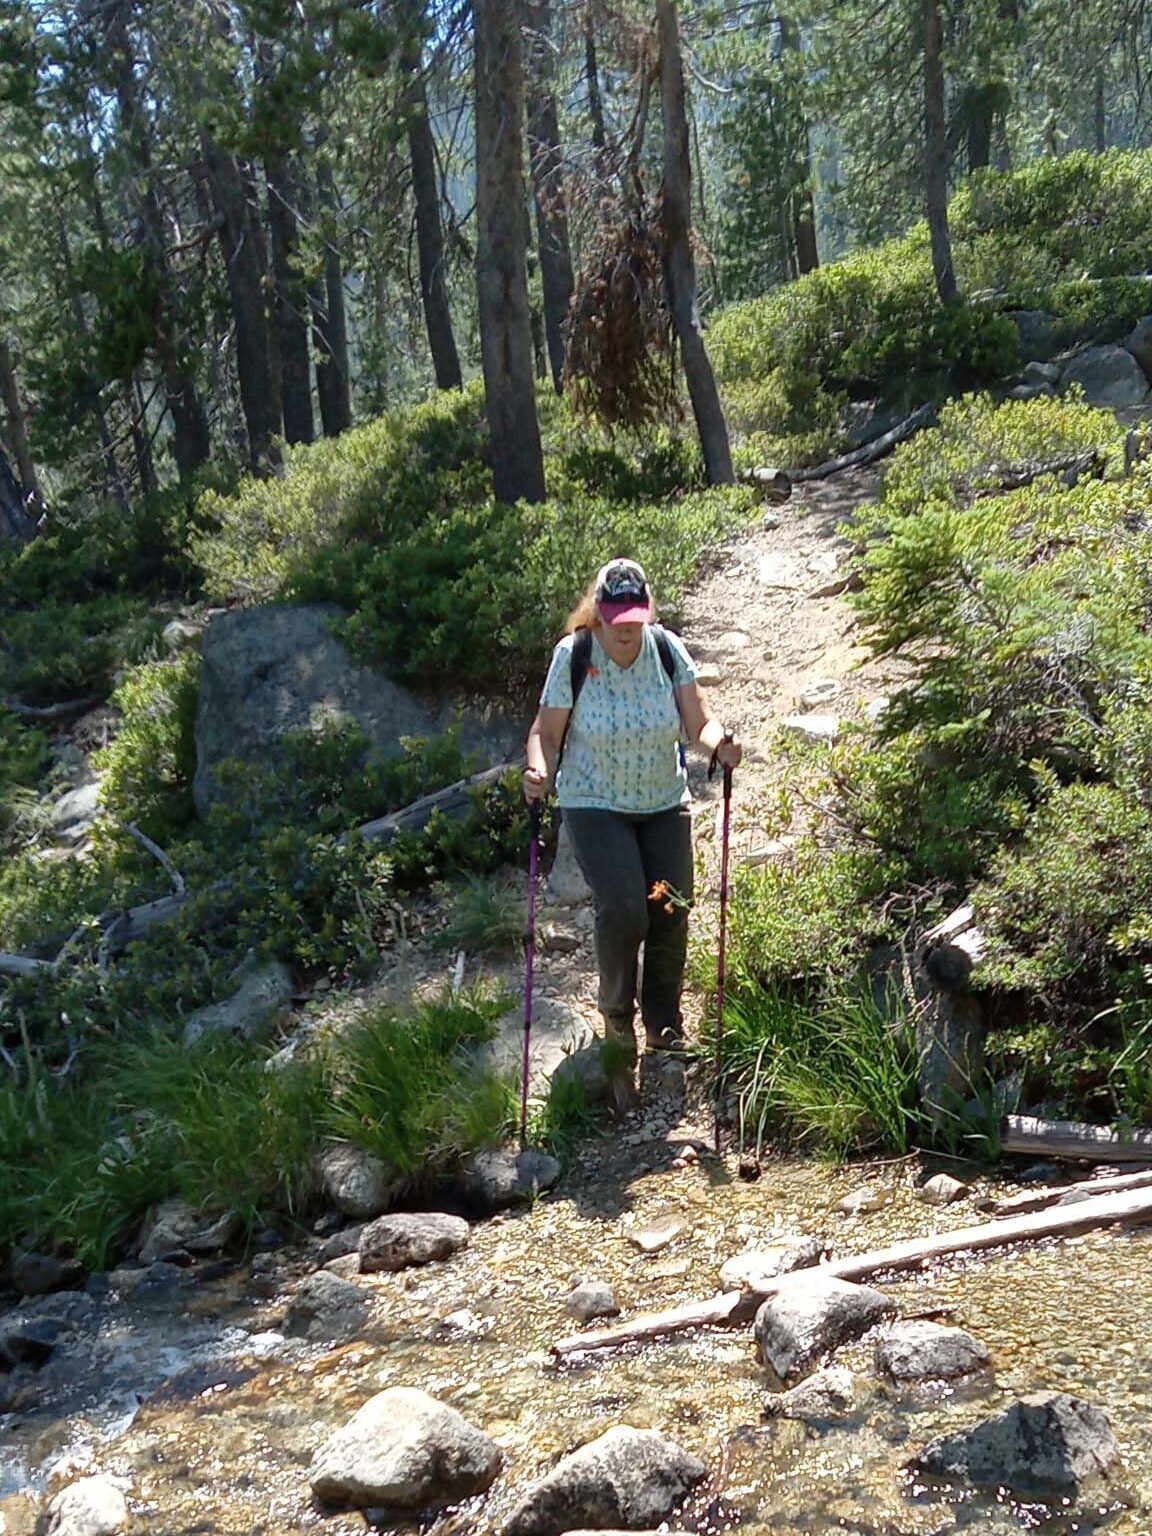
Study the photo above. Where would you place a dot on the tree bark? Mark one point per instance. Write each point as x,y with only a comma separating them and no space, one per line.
291,299
429,230
592,82
191,444
501,258
17,433
141,442
803,205
244,274
1099,112
936,153
679,263
329,322
544,155
981,114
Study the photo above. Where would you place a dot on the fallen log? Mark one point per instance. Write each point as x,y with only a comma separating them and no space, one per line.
924,416
448,802
23,965
1074,468
915,1253
773,483
1059,1194
1072,1139
48,711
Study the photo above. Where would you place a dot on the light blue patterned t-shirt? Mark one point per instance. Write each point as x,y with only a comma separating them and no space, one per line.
622,751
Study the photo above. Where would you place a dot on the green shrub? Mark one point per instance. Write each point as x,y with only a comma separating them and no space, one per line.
412,1091
69,649
148,767
486,916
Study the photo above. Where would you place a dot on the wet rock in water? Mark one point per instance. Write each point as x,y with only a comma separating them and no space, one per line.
799,1325
408,1238
30,1341
920,1350
631,1478
35,1274
157,1279
592,1299
941,1189
326,1307
404,1450
1047,1443
493,1180
755,1269
359,1185
180,1228
339,1244
829,1394
72,1308
94,1506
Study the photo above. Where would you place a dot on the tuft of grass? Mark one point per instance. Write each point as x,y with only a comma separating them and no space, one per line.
487,916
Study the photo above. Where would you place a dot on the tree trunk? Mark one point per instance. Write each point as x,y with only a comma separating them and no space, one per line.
141,442
981,114
17,433
429,230
243,270
291,301
501,259
17,522
329,322
936,153
544,154
191,444
803,205
1099,112
679,264
592,81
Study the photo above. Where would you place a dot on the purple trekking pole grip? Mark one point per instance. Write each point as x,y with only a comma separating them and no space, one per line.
529,961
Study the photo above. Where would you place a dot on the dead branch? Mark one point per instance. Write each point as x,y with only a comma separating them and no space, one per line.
48,711
1072,1139
159,855
924,416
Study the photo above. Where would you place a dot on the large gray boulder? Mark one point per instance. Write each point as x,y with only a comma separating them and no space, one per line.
277,669
177,1227
93,1506
496,1178
1036,329
408,1238
404,1450
919,1350
1139,343
326,1307
1045,1444
628,1478
1109,376
804,1322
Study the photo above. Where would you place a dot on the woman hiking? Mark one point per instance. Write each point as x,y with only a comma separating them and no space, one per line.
620,696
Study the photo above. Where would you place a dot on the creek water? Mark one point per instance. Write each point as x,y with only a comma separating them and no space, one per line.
211,1416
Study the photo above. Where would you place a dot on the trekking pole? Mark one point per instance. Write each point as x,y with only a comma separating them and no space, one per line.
529,961
722,950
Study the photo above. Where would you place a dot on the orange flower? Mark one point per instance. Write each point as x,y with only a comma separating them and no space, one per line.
659,891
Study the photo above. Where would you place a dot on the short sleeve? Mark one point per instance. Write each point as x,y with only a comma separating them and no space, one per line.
557,690
685,668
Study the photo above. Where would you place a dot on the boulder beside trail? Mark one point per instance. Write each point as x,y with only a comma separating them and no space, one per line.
1109,376
628,1478
93,1506
494,1179
404,1450
358,1184
799,1325
408,1238
263,991
1047,1443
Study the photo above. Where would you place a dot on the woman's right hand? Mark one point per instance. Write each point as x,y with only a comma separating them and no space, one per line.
535,784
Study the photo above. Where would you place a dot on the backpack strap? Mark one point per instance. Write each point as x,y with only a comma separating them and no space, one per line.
668,660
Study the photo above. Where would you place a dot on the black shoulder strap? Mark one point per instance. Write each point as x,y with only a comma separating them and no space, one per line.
579,661
664,646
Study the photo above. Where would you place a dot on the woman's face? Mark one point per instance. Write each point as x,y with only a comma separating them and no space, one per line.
621,641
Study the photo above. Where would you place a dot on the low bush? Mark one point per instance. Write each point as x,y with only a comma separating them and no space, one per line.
148,767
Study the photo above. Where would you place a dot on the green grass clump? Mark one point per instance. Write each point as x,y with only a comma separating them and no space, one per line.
486,916
415,1091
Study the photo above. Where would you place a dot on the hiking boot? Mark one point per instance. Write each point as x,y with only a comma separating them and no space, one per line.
619,1049
668,1039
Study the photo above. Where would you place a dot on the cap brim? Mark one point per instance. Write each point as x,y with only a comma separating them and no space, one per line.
626,613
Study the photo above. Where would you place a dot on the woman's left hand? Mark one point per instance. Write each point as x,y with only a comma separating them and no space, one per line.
729,753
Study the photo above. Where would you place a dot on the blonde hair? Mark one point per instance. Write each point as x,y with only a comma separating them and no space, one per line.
586,614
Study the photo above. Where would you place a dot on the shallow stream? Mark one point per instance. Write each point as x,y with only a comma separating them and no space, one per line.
212,1417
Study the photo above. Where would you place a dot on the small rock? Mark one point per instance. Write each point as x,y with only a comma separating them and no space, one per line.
862,1201
797,1326
358,1184
154,1279
1109,376
94,1506
404,1239
708,674
1139,343
1041,373
630,1478
326,1307
755,1269
829,1394
781,571
463,1324
346,1266
75,811
941,1189
920,1350
347,1240
402,1451
1047,1443
657,1234
592,1299
264,991
36,1274
818,695
567,886
876,709
767,853
822,729
1037,389
770,521
493,1180
178,1227
557,941
586,1067
30,1341
179,634
663,1073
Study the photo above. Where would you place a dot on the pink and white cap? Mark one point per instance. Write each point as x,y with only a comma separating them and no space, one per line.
622,594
